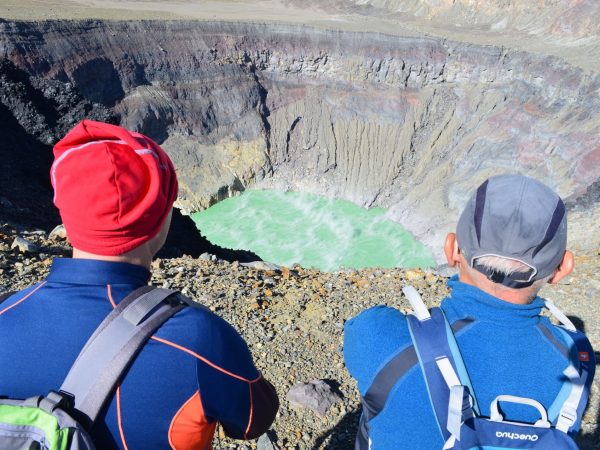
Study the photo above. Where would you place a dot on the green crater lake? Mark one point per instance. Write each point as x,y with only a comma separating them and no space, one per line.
290,227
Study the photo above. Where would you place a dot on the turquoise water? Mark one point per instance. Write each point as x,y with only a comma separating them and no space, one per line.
290,227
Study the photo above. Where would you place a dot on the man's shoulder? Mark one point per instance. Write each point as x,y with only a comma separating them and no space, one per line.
376,317
371,339
10,298
198,320
558,338
209,338
380,326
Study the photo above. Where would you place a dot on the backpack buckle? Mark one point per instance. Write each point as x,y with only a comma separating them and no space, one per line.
61,399
51,402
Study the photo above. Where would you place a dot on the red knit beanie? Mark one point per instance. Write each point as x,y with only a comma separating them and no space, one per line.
114,188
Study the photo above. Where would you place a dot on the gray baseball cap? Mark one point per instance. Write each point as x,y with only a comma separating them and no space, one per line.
518,218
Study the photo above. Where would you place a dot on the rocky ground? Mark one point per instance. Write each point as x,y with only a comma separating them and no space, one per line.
293,320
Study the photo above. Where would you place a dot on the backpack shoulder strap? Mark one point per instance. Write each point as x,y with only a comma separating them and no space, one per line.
579,374
439,359
386,378
114,345
192,303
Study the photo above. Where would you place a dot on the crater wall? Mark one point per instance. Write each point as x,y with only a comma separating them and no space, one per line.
411,124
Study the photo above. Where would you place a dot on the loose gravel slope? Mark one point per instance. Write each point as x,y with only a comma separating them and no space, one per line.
293,321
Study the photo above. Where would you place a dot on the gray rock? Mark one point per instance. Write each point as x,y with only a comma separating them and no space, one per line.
264,443
444,270
317,396
268,281
41,233
261,265
59,232
24,245
207,257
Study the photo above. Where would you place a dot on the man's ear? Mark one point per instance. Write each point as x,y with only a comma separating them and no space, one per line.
564,268
451,250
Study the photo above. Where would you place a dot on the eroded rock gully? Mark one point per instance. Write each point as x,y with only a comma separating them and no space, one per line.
411,124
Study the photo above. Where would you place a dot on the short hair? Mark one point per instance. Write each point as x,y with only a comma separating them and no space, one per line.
502,265
508,266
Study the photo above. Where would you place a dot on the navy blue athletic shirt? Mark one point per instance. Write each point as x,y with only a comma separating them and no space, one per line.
196,369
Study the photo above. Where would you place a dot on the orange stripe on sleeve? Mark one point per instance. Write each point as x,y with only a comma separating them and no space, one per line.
249,415
110,297
189,429
206,361
119,418
22,300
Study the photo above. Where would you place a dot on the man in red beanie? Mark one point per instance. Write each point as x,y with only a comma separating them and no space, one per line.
115,190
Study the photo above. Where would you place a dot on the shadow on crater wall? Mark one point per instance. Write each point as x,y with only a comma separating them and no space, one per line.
185,239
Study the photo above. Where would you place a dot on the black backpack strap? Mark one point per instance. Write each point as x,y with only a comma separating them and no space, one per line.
114,345
191,302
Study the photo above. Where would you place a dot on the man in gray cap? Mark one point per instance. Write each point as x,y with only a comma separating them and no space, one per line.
510,240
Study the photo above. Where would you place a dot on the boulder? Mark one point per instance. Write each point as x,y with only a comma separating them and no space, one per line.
317,395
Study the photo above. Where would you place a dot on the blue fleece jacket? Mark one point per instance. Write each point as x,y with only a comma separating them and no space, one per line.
506,350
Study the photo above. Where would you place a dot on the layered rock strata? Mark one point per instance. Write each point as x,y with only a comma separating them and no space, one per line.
411,124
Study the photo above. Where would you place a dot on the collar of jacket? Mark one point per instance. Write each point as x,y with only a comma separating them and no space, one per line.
95,272
466,300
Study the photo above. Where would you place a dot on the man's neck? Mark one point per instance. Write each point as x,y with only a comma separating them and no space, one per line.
139,256
515,296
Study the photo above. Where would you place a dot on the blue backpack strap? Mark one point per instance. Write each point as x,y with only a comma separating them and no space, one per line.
377,395
579,375
579,380
440,361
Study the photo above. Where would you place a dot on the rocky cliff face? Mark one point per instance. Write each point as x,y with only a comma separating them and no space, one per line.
411,124
563,20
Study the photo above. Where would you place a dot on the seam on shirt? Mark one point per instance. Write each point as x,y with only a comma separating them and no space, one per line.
23,299
206,361
110,297
250,415
558,346
119,418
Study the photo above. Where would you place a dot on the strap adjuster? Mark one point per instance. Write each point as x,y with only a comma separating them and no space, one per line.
568,416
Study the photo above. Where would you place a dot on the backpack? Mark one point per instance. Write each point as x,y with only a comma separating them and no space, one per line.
455,405
62,419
